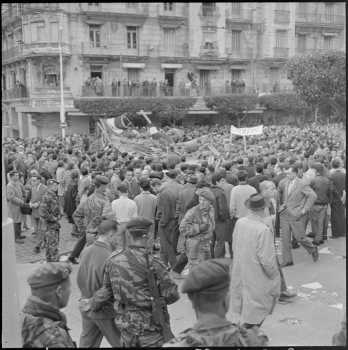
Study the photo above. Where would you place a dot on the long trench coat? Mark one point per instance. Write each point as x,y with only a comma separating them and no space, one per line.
15,197
255,285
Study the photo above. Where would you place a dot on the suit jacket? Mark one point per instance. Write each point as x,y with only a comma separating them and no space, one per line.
36,197
255,181
301,197
186,195
339,183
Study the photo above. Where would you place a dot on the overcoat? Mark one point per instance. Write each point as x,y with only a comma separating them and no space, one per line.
255,285
15,197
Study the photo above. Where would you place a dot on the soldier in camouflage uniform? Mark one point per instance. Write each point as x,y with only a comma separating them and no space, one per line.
87,216
125,281
44,326
207,286
50,215
196,229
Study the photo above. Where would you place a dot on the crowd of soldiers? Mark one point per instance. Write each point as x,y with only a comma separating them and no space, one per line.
163,219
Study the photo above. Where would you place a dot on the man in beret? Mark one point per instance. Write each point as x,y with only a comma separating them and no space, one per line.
50,215
44,325
87,215
197,227
255,286
207,286
126,284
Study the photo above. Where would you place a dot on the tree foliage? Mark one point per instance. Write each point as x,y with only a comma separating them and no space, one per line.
319,77
287,102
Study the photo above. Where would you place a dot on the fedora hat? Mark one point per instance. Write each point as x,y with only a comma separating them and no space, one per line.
255,202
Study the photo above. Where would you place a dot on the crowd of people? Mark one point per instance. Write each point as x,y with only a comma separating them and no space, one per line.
182,215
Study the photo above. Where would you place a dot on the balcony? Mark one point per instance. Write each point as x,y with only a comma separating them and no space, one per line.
101,49
43,6
244,53
179,10
49,96
208,15
281,52
17,92
209,50
301,51
35,49
321,20
243,16
281,17
159,89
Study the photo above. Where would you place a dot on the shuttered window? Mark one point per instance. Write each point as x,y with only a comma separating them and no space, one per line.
281,39
301,42
94,35
131,37
328,42
236,35
169,39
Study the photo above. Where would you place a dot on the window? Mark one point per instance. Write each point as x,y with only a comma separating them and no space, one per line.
281,39
168,6
329,13
169,40
50,75
96,71
236,34
54,31
208,8
236,8
236,74
18,37
328,42
13,78
133,74
131,37
41,32
301,42
94,35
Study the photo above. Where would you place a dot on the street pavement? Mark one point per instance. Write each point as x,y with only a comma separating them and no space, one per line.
310,320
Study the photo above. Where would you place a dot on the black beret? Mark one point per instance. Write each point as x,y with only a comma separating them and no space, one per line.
101,180
210,276
49,274
52,181
139,225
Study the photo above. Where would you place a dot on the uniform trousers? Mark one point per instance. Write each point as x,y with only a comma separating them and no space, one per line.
94,330
317,216
197,250
296,226
146,339
52,244
169,236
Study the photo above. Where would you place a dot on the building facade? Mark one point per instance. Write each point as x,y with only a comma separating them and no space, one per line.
150,49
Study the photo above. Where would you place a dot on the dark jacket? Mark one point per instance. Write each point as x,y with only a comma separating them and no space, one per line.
256,180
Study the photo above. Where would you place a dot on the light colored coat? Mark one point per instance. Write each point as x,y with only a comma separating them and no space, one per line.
15,198
255,283
36,197
301,197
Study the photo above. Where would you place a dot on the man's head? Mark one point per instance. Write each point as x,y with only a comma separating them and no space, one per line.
256,204
293,172
205,198
207,286
145,184
51,283
52,185
145,174
123,189
14,176
156,185
268,189
137,231
137,173
259,168
100,183
35,180
129,175
242,176
107,229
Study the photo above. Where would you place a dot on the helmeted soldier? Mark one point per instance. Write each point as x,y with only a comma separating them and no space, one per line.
50,215
207,286
44,325
127,281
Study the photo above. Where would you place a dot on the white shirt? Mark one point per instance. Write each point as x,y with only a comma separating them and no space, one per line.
124,209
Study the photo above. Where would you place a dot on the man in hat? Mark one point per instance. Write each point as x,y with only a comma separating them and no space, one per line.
186,195
50,215
126,281
323,188
15,198
197,227
90,276
207,286
255,286
44,325
87,215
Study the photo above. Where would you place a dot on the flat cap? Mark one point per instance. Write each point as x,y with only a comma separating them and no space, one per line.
210,276
52,181
205,193
49,274
139,225
318,167
101,180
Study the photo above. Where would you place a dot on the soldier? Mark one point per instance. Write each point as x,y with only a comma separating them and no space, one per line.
87,215
126,280
44,325
50,215
207,286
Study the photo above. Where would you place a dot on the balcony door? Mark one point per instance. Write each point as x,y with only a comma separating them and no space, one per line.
97,71
204,82
301,43
94,36
169,75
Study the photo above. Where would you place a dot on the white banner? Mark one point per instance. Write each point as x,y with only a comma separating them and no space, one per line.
256,130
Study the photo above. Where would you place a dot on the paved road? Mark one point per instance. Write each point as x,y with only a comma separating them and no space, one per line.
310,320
